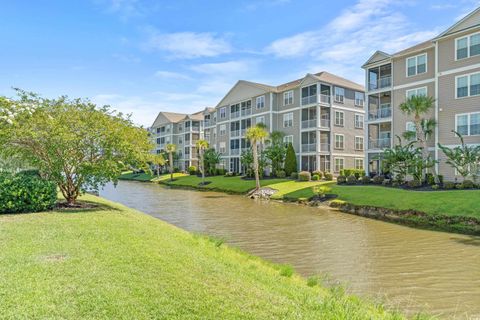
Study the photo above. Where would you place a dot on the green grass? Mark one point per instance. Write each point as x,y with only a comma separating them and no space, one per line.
301,190
136,176
113,262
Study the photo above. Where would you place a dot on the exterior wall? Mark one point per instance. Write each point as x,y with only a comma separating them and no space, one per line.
446,54
400,68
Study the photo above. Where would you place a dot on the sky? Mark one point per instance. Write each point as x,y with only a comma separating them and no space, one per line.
145,56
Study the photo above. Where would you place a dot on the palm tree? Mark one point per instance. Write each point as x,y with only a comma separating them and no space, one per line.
170,148
201,146
418,106
158,160
256,135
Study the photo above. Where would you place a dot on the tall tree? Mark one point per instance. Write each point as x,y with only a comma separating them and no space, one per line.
276,150
418,107
257,136
202,145
170,149
212,158
290,160
72,142
158,161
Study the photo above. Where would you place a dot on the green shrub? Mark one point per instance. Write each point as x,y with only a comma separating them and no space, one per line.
395,184
286,271
440,178
192,170
351,179
315,177
366,180
341,179
290,160
356,172
318,173
176,169
378,179
468,184
312,281
449,185
30,172
304,176
387,182
459,186
435,187
430,179
26,193
294,175
281,174
328,176
414,184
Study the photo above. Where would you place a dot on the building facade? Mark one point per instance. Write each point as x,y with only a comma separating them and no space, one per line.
322,115
446,68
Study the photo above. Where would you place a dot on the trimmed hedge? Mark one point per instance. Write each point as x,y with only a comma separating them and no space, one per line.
304,176
26,193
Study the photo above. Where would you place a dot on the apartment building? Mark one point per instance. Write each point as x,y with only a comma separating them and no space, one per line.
183,130
446,68
321,114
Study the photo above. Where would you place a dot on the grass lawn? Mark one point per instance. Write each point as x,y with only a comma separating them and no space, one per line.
113,262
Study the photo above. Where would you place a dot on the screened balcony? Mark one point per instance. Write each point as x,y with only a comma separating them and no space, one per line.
379,136
380,77
309,118
379,106
309,141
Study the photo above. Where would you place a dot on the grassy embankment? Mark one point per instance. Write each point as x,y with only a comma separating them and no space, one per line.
114,262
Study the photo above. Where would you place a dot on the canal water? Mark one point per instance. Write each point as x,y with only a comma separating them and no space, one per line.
414,270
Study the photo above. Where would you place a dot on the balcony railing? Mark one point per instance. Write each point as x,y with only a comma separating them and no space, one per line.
235,133
246,112
324,147
382,82
382,113
309,123
235,152
325,123
379,143
309,147
235,114
208,123
325,98
309,100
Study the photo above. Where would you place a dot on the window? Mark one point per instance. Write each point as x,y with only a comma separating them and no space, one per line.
359,99
260,120
223,129
339,118
468,124
468,85
287,140
339,141
222,147
288,120
260,102
416,92
309,94
339,94
358,143
223,113
468,46
359,163
288,98
359,121
339,164
416,65
410,127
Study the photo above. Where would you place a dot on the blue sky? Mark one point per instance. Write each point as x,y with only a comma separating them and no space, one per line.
143,56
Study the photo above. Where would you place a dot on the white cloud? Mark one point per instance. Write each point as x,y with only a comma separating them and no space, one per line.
219,68
189,45
171,75
293,46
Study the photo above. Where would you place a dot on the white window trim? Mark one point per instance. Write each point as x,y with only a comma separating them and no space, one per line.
416,90
416,64
335,141
256,102
288,139
468,75
286,94
224,129
286,118
362,100
335,163
407,129
335,118
355,163
468,36
355,143
259,117
335,95
468,114
224,109
355,121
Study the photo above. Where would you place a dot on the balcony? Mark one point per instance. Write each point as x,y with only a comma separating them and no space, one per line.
309,100
234,115
385,82
310,147
234,152
235,133
324,147
208,123
379,143
324,98
382,113
246,112
325,123
309,124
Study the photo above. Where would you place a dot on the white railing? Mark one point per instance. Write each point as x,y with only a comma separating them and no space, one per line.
379,143
235,133
246,112
385,81
235,114
382,113
309,100
235,152
324,147
324,98
309,123
310,147
325,123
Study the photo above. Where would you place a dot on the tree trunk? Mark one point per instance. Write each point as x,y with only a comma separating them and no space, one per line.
170,160
255,165
425,154
202,166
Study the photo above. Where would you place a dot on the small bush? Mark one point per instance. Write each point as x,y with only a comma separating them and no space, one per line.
395,184
176,169
435,187
468,184
414,184
281,174
378,179
366,180
26,193
317,173
286,271
312,281
220,171
294,175
356,172
430,179
230,174
449,185
304,176
440,178
328,176
341,179
315,177
192,170
387,182
460,186
351,179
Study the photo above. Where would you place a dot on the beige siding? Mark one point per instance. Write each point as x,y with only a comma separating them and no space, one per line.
446,54
400,68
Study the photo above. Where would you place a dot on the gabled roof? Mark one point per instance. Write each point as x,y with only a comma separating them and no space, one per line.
469,21
323,76
377,57
169,116
262,87
418,47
